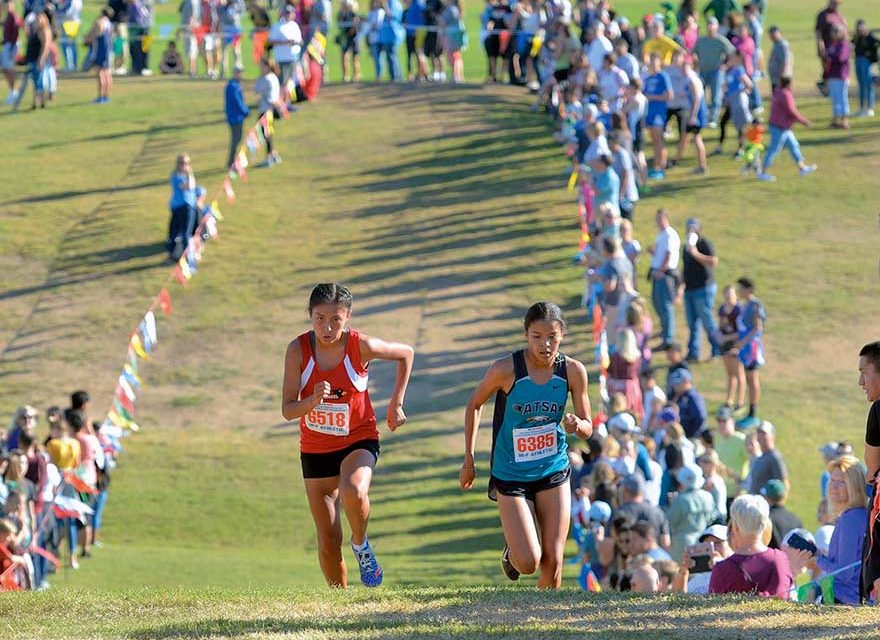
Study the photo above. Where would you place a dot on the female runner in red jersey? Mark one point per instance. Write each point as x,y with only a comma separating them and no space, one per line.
325,386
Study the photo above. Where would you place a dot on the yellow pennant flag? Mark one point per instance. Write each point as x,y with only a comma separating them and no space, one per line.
215,209
537,42
184,268
572,180
138,347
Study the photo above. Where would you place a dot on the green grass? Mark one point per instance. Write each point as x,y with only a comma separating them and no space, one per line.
445,210
419,613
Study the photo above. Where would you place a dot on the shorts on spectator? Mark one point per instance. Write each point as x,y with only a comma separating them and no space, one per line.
190,46
8,55
208,43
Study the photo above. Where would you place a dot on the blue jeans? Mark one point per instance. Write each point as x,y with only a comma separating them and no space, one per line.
698,307
839,96
68,46
755,97
662,297
98,505
390,52
73,526
779,139
713,81
866,83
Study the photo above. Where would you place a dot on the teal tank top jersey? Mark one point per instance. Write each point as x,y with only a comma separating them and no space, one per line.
528,441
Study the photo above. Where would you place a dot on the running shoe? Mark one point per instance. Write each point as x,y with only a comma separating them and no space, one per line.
766,177
748,422
371,572
506,566
808,169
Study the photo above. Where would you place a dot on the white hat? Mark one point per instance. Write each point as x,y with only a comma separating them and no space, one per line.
716,531
623,422
690,476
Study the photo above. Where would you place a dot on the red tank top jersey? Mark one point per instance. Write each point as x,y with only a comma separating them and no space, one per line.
347,416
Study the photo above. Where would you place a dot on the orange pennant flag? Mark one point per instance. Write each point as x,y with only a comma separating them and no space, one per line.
79,484
165,301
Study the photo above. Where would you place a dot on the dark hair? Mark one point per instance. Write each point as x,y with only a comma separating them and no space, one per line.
622,523
746,283
96,426
75,418
546,311
643,529
785,82
107,12
79,399
25,440
606,160
708,438
330,293
871,351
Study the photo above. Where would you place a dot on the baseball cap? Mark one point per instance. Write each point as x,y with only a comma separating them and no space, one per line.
716,531
668,415
600,511
829,450
712,20
690,476
823,539
680,375
724,412
624,422
288,9
773,490
773,29
592,110
692,222
633,484
767,427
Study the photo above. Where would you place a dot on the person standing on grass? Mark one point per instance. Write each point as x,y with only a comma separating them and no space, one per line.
269,91
663,275
183,207
728,316
827,19
867,51
869,381
236,113
711,50
325,388
699,263
529,468
738,86
100,38
140,19
750,325
9,49
838,53
783,115
781,62
696,116
657,88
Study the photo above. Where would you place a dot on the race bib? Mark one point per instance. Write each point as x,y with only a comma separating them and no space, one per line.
534,443
329,419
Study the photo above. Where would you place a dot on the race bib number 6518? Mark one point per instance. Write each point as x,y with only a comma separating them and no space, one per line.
329,419
534,443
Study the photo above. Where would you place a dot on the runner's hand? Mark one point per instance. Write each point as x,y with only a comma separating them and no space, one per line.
396,417
321,391
466,476
570,423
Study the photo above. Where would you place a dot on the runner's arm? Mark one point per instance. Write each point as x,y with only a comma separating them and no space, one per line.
578,382
403,354
498,377
292,407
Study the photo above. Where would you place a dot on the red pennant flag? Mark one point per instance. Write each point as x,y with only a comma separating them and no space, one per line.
227,188
165,301
79,484
124,400
178,274
61,512
597,323
51,557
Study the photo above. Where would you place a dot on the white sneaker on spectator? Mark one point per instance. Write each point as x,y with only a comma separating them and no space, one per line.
766,177
121,71
146,72
869,113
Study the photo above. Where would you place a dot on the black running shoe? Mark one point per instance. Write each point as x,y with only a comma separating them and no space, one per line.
508,569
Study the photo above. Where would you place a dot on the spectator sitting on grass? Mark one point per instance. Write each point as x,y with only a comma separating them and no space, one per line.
686,581
675,357
692,412
171,62
781,518
769,465
713,483
753,567
642,540
690,512
643,576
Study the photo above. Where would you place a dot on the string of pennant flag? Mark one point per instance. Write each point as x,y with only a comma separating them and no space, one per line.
120,416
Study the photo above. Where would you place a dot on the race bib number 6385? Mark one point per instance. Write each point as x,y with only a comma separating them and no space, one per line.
534,443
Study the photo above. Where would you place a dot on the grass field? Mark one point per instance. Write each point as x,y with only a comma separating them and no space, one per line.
445,210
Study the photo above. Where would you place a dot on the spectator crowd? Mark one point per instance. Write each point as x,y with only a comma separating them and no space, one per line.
54,484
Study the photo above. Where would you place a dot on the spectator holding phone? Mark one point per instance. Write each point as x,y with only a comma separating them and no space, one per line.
698,560
753,567
847,500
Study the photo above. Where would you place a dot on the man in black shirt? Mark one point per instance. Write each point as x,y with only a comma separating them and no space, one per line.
869,381
699,262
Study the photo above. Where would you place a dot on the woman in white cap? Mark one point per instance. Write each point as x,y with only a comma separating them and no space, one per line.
690,512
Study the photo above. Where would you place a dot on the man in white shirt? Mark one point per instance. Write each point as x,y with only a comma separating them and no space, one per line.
664,262
597,46
287,40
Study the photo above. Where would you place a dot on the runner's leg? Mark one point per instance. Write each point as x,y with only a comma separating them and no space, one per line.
323,495
518,525
553,509
356,474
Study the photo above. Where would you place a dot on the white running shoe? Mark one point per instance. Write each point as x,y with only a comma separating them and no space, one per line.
766,177
808,169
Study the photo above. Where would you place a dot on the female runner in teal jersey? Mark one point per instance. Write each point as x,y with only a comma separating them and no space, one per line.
529,462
